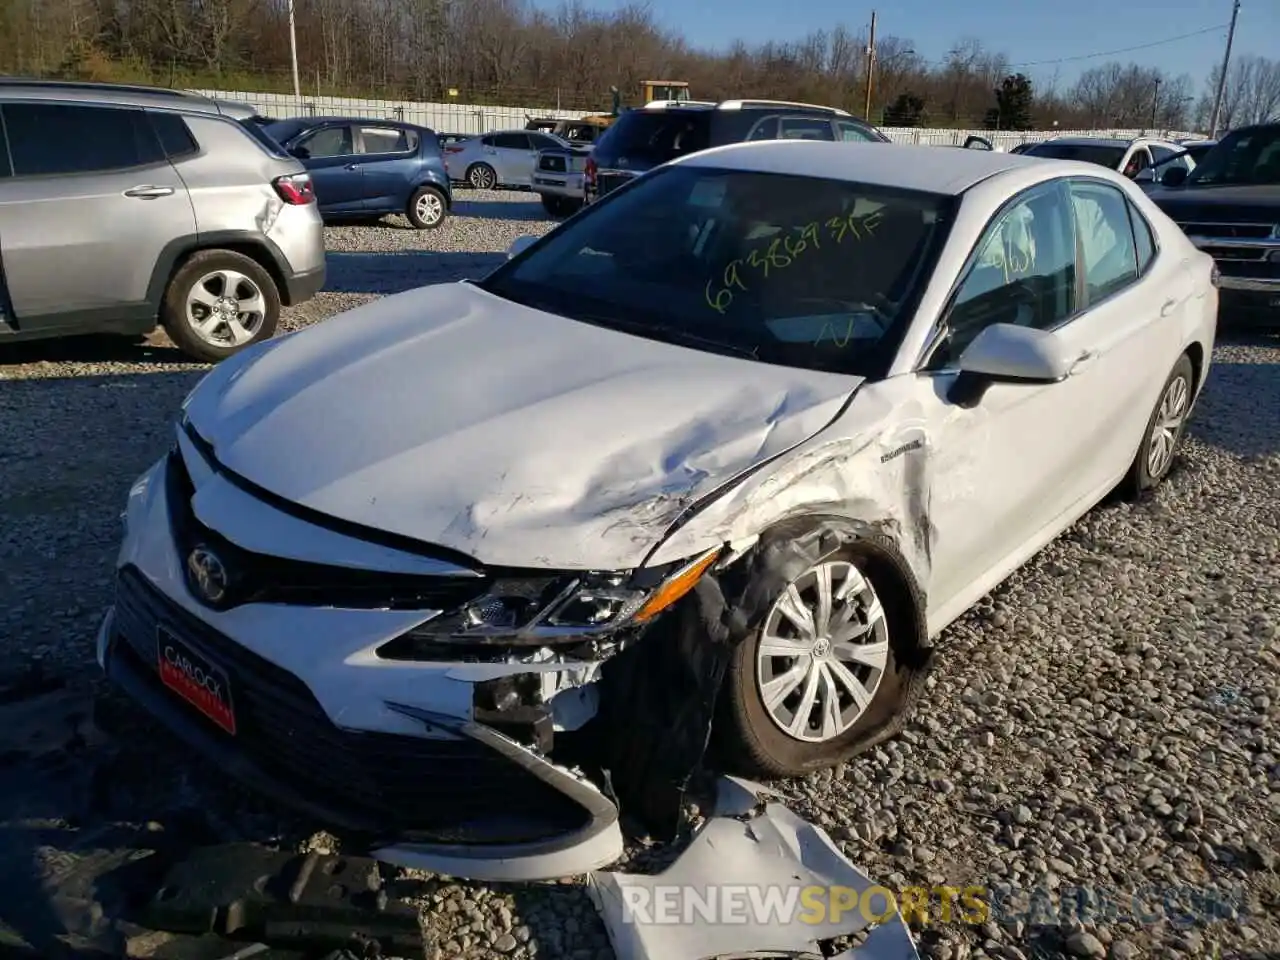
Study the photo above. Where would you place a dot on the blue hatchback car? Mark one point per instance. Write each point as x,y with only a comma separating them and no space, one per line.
368,168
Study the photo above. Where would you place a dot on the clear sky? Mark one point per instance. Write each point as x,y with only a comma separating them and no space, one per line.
1026,31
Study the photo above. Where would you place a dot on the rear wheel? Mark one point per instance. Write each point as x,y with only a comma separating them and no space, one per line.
426,209
219,302
482,177
1165,429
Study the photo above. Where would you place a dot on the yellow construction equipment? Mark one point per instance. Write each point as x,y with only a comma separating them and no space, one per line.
651,90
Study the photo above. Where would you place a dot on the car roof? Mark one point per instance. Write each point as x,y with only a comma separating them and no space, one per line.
906,166
122,94
380,121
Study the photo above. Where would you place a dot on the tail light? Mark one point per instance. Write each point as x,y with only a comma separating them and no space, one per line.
589,171
295,189
453,149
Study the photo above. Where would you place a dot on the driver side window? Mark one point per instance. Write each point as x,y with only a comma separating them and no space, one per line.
1023,271
329,142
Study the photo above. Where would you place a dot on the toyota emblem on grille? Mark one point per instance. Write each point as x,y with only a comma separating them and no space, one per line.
208,574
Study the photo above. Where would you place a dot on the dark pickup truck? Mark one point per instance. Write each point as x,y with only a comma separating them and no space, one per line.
1229,206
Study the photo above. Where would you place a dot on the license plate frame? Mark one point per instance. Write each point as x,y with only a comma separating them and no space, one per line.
192,675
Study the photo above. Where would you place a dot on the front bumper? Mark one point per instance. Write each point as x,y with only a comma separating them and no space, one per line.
1249,301
386,750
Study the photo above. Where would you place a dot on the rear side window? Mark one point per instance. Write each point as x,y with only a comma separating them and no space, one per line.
511,141
1143,239
388,140
1106,238
806,128
47,139
175,136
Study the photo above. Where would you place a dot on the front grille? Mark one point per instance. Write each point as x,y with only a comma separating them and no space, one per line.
1253,269
1227,231
554,163
439,790
259,578
608,182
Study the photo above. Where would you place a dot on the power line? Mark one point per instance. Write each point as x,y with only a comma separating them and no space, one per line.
1112,53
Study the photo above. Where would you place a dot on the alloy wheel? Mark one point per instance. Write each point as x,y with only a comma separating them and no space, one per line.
823,651
225,308
1168,426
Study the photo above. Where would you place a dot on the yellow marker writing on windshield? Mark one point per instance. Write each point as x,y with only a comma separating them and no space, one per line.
782,252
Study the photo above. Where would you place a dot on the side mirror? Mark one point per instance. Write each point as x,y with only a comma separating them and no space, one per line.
1175,176
1145,176
301,153
1007,353
519,245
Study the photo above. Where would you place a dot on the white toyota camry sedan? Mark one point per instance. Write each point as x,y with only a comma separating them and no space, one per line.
711,462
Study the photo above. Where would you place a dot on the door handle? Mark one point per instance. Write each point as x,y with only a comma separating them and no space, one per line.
149,192
1083,362
1168,307
352,166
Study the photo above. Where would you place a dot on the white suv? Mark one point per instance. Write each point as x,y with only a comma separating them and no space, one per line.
1129,157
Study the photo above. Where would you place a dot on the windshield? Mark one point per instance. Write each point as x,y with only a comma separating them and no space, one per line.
1101,154
1244,157
803,272
654,137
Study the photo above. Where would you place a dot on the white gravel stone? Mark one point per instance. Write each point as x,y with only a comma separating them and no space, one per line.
1105,719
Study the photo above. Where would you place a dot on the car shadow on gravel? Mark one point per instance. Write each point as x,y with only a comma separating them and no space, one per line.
386,273
95,348
1239,411
527,212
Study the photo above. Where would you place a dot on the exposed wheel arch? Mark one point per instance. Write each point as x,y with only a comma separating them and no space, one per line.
783,553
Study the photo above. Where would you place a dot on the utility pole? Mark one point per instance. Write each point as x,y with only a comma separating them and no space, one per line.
1155,106
293,52
871,66
1222,77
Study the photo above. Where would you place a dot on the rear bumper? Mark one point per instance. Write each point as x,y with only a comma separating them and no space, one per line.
570,186
301,287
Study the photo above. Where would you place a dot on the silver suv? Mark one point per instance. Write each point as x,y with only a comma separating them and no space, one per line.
122,206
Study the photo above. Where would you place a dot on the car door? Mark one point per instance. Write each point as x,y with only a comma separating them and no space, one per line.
805,128
1127,328
1004,464
336,171
513,158
389,164
91,205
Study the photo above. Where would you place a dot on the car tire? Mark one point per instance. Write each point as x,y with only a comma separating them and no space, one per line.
750,730
1165,429
481,176
427,208
553,205
207,283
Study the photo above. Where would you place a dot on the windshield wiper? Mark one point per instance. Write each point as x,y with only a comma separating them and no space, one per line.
675,333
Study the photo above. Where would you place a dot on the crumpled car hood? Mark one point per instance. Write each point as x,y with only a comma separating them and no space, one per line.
454,417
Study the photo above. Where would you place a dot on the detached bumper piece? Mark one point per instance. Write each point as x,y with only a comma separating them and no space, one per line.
755,843
474,800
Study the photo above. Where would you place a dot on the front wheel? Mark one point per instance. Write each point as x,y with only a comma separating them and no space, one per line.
819,673
426,209
1165,429
219,302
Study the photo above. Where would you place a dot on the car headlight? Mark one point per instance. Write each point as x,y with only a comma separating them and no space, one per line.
538,611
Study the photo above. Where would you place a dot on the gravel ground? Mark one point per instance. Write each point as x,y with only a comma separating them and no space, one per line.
1107,718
